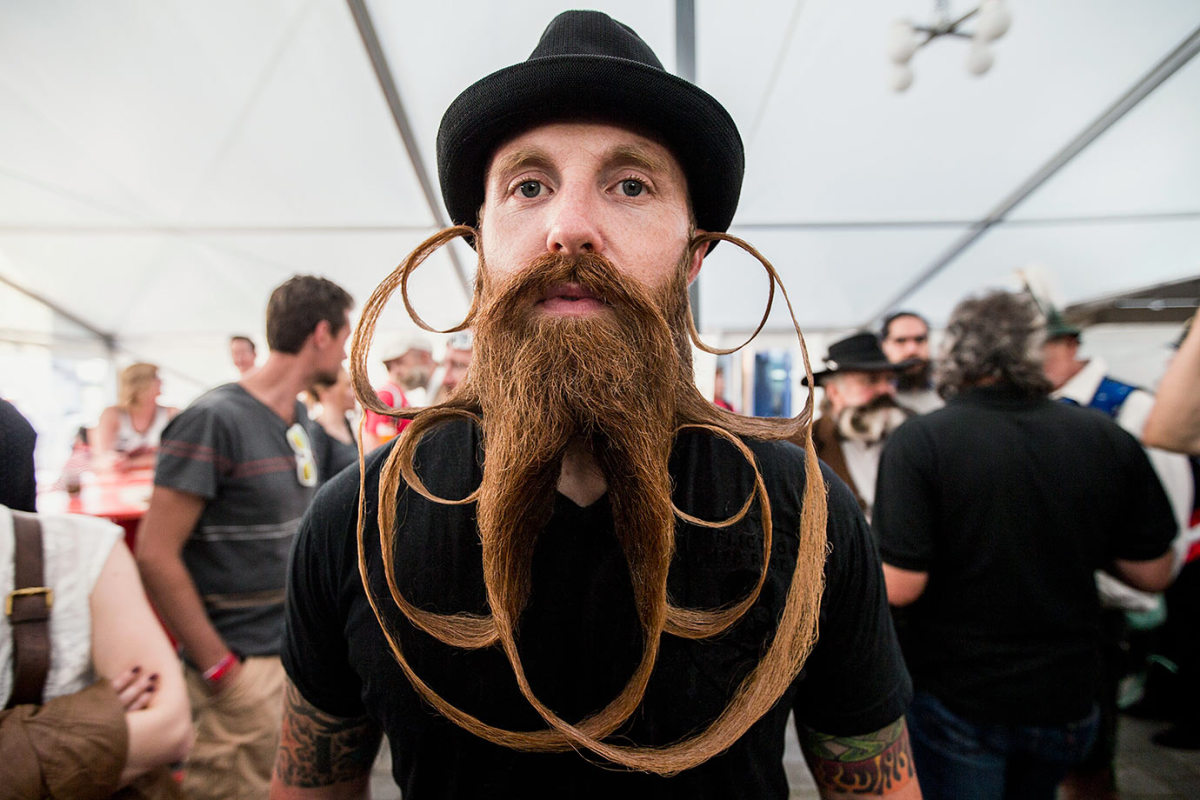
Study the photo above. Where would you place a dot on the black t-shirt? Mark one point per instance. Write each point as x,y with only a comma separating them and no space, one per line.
18,485
1010,504
333,455
578,636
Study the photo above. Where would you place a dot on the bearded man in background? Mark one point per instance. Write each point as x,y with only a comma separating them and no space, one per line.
859,412
905,338
547,576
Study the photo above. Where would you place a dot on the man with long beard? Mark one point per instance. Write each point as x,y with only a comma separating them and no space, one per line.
589,582
860,411
905,339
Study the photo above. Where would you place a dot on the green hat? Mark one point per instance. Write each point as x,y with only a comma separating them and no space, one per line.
1057,326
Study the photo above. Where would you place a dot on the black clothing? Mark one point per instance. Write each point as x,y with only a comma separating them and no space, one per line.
18,483
333,455
1010,504
579,635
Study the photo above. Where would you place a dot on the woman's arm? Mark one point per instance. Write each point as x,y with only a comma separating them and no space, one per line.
104,436
126,634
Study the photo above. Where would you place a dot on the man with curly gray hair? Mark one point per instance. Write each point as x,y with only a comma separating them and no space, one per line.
992,514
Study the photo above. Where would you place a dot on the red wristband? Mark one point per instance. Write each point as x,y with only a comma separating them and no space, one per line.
218,670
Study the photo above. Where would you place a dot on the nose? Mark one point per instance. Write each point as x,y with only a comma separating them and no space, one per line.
573,225
884,383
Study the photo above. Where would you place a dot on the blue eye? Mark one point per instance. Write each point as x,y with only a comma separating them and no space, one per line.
631,187
530,188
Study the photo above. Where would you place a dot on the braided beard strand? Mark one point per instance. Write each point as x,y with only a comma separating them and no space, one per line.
620,383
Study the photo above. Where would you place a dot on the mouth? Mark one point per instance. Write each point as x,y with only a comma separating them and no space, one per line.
569,299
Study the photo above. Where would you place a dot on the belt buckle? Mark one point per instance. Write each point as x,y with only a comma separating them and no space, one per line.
27,592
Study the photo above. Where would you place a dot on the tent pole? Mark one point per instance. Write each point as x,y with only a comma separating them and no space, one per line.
1164,69
107,339
383,73
685,67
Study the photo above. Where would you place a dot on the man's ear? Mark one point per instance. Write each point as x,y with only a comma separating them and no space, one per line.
697,260
323,333
832,390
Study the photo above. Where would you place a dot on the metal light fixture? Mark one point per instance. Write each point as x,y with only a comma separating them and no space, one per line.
992,20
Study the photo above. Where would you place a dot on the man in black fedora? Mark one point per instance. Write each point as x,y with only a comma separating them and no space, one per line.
566,600
858,413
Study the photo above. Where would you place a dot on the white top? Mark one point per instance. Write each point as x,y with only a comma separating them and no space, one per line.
128,439
920,401
862,460
74,550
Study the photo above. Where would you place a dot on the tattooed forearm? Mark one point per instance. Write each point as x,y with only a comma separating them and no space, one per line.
318,749
878,763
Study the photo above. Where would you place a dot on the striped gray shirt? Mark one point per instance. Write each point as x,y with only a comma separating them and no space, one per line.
232,450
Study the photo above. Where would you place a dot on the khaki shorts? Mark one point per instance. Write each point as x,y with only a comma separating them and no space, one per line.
237,733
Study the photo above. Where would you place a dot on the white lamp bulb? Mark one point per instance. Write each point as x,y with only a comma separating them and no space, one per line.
994,20
901,42
900,77
979,58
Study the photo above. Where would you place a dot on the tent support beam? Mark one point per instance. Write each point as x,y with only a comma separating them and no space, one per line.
107,339
1164,69
383,73
685,67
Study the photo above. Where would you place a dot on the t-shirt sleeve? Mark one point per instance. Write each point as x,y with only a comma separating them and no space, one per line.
903,518
1149,525
854,681
194,453
315,653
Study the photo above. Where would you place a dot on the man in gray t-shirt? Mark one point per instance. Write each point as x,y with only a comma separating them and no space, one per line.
235,473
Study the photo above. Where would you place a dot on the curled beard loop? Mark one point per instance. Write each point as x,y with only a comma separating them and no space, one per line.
795,634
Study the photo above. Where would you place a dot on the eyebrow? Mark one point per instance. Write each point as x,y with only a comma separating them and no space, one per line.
521,159
535,157
637,157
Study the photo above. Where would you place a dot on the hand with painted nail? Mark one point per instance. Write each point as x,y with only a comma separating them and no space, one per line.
135,687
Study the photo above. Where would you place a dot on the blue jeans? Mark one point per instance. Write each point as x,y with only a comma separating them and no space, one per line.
957,759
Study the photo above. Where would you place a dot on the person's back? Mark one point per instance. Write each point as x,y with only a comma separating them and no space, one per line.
1027,498
17,441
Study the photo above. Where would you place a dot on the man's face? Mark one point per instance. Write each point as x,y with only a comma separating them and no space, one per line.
907,337
857,389
242,354
411,370
1058,360
573,188
456,363
331,351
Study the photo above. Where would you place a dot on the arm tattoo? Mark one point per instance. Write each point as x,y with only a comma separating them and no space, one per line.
319,749
871,764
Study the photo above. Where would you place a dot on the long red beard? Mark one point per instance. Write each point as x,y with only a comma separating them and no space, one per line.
618,383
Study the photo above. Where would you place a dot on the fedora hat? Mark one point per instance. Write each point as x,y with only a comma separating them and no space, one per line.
588,66
857,353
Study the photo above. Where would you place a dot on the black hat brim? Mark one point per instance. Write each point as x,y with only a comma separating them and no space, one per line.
873,366
687,120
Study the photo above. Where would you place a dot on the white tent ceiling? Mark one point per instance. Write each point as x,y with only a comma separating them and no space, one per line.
163,165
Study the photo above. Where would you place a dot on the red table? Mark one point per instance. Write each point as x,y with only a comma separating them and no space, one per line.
121,497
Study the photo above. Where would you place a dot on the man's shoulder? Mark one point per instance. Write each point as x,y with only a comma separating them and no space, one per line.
217,400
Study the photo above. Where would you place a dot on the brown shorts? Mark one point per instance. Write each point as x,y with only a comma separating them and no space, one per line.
237,732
